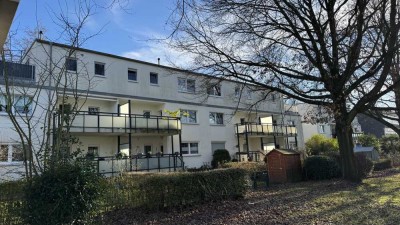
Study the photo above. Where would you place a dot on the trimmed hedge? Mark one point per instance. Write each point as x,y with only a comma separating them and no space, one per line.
182,189
220,156
320,168
364,165
383,164
249,167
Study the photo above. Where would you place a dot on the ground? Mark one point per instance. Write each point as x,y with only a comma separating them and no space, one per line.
375,201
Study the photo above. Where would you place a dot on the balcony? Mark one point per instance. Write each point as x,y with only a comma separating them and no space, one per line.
264,129
100,122
17,72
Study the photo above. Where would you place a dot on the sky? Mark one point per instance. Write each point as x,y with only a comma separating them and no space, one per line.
125,29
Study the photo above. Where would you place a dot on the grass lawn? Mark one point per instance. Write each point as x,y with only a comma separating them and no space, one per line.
375,201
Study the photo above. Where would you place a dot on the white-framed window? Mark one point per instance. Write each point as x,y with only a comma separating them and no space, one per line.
190,148
321,129
215,90
188,116
292,145
23,105
93,110
92,151
3,104
290,122
216,118
132,74
147,149
153,78
216,145
11,153
186,85
71,64
237,92
99,68
249,94
146,114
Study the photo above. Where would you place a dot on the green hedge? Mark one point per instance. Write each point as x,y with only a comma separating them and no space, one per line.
250,167
320,168
383,164
182,189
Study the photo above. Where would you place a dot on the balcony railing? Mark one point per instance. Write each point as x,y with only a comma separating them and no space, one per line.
17,72
157,162
266,129
89,122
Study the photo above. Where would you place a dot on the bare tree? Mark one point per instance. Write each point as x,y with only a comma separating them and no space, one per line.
32,99
332,53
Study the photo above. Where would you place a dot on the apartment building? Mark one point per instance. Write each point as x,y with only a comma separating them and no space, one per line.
134,115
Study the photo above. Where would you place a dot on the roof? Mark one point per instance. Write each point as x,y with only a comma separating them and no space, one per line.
358,148
285,151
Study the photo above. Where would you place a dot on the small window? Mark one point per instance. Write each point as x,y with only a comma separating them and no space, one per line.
153,78
71,64
146,114
93,151
237,92
216,118
23,105
217,145
190,148
3,104
17,153
132,75
186,85
214,90
147,149
93,110
249,95
291,123
321,129
99,69
188,116
242,121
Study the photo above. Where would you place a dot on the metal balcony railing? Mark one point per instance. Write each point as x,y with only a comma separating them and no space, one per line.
153,162
266,129
99,122
17,72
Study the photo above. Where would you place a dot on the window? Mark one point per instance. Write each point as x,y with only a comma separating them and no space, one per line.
146,114
273,97
3,104
188,116
93,110
93,151
186,85
132,75
147,149
217,145
190,148
153,78
291,123
242,121
237,92
321,129
71,64
23,105
216,118
214,90
11,153
249,96
99,68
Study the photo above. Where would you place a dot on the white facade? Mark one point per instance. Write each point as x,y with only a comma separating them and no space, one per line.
128,102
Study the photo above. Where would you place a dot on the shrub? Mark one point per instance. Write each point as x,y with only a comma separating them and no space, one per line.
383,164
321,167
181,189
220,156
369,140
364,165
63,195
321,145
390,144
249,167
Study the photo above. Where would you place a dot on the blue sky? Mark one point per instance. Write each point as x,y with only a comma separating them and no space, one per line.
125,28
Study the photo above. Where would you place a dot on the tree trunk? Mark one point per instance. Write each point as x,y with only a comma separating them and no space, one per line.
345,139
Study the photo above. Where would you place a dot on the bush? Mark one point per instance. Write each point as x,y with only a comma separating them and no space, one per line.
180,189
369,140
249,167
220,156
321,167
321,145
63,195
383,164
364,165
390,144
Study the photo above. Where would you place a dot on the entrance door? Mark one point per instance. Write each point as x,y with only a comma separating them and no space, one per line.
147,149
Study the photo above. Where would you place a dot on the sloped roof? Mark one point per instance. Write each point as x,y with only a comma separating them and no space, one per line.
285,151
